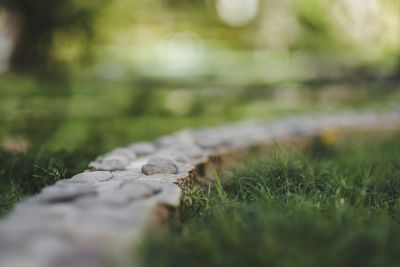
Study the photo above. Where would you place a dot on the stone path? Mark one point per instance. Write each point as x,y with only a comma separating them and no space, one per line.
96,217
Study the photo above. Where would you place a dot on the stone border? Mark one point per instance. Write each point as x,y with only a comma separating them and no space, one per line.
94,218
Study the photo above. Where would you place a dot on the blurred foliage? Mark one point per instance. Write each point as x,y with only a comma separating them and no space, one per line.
116,113
344,32
42,25
121,112
142,36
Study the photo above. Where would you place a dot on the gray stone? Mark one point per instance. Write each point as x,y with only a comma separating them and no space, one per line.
161,178
17,260
160,160
110,163
166,141
65,192
142,148
130,191
185,137
160,165
92,177
192,151
109,186
175,155
125,152
131,174
212,141
170,195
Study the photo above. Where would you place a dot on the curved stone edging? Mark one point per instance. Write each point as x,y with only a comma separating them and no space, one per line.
94,218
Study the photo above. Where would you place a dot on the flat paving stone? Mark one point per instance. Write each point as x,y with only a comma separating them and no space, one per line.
125,152
142,148
160,165
65,192
92,177
110,163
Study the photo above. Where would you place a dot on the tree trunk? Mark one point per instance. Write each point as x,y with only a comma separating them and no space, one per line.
9,36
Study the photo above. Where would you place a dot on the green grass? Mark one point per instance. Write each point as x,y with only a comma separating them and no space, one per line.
25,174
292,209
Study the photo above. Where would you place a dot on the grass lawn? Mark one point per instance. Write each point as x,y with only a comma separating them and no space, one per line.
24,174
291,208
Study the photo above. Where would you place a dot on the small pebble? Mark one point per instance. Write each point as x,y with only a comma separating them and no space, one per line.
160,165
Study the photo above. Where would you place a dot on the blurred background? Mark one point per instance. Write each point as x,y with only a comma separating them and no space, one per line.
93,75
